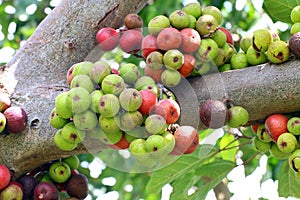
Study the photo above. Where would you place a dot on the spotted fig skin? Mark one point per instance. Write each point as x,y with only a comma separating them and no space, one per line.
16,119
213,113
294,44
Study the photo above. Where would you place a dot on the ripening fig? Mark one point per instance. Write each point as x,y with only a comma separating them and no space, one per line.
130,99
173,59
262,134
278,52
59,171
138,149
295,14
155,60
170,78
82,68
246,42
123,143
61,106
143,81
77,186
213,113
179,19
70,133
16,119
293,125
188,65
239,60
130,120
131,41
168,109
149,99
254,57
276,124
169,38
157,24
193,9
4,176
186,140
261,40
63,144
221,58
208,49
206,24
154,88
148,45
229,38
78,100
155,124
84,81
219,37
109,105
113,84
294,44
107,38
133,21
45,191
55,120
14,191
109,125
129,72
155,145
213,11
237,116
287,142
86,120
95,98
99,71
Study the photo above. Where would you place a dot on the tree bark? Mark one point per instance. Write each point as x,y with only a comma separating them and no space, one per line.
37,74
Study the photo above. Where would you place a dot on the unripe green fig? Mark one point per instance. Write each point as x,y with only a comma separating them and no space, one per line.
278,52
158,23
237,116
239,60
129,72
261,40
179,19
214,11
193,9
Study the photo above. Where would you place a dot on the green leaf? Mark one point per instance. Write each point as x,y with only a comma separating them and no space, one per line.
228,143
280,10
182,185
180,167
213,173
288,184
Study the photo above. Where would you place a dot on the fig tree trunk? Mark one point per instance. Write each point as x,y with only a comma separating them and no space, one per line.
37,74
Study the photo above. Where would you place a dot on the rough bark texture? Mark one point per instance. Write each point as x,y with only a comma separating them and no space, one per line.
37,74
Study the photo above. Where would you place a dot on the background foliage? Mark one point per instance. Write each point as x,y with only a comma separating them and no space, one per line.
191,176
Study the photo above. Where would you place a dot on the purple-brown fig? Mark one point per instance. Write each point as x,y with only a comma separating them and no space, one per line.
16,119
